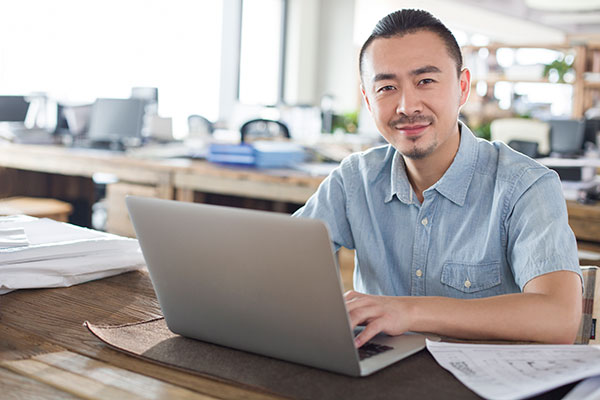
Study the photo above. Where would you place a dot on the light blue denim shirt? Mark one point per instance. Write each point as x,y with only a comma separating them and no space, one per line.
495,220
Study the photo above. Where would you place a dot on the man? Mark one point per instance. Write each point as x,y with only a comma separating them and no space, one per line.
453,235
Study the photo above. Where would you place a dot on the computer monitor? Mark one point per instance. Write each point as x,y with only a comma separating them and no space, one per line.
13,108
566,137
116,120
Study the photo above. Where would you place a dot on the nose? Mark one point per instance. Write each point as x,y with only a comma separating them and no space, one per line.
409,102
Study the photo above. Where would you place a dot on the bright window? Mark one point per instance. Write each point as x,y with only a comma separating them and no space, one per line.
76,51
261,52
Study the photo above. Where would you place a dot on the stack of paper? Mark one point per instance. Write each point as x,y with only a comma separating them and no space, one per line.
42,253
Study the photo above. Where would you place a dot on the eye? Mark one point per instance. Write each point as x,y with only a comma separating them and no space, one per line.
426,81
385,88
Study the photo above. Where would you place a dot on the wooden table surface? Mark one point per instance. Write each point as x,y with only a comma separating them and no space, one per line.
47,353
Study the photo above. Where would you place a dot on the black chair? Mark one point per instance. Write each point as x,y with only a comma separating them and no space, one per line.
257,129
530,149
199,125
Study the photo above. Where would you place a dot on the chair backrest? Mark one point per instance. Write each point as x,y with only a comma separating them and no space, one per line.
263,129
199,125
528,148
591,306
522,129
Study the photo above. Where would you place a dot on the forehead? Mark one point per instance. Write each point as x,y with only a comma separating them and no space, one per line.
406,53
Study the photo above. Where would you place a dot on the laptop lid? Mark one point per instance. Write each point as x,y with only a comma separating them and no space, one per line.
257,281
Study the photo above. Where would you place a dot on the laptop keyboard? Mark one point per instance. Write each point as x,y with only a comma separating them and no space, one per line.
371,349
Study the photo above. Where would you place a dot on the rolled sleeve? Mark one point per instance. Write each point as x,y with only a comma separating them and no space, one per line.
539,237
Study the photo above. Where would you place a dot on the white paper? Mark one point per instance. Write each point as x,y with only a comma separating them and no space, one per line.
502,372
588,389
13,237
61,254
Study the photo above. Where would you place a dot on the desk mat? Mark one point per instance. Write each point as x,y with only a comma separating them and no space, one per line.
417,376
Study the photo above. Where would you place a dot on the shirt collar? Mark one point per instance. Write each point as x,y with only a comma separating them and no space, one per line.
455,182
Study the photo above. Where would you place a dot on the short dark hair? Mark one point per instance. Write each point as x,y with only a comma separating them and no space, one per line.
406,21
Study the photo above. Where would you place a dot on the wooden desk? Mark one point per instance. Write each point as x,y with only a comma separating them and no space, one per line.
46,352
169,179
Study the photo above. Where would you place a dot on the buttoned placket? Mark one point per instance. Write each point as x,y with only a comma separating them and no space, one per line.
421,245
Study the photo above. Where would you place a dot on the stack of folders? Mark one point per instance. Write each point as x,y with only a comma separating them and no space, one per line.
42,253
261,154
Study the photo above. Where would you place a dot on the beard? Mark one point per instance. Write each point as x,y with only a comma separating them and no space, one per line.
418,154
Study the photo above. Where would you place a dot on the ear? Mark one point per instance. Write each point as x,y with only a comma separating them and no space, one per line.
364,94
465,85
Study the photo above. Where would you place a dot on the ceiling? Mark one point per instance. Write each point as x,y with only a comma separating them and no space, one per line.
574,17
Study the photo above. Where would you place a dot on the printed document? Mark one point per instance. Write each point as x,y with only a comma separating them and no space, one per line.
515,371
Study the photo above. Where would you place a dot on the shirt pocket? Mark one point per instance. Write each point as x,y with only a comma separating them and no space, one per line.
467,280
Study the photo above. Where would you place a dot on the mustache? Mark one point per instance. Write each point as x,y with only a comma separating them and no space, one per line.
411,120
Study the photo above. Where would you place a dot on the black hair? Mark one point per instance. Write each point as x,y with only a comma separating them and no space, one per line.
406,21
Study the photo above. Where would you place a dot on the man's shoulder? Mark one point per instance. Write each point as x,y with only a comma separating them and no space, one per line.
509,165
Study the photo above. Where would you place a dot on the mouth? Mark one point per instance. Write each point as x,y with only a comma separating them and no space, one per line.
412,130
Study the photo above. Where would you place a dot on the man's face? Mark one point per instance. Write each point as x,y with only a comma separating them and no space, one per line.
412,90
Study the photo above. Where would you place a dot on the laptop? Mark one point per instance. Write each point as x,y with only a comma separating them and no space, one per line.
257,281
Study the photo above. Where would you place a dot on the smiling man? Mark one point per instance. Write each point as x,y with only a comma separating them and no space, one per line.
453,234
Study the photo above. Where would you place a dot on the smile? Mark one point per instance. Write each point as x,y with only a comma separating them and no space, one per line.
412,130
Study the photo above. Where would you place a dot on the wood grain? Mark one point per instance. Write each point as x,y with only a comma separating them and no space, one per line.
15,386
37,321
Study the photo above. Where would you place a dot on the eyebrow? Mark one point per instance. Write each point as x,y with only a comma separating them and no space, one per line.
428,69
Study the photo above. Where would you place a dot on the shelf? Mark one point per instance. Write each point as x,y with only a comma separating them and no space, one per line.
592,85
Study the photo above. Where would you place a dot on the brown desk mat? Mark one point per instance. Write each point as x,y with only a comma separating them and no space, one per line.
417,376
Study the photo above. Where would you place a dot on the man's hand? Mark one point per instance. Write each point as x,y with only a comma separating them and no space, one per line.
548,311
379,314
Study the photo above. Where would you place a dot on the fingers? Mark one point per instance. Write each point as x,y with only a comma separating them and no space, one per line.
370,331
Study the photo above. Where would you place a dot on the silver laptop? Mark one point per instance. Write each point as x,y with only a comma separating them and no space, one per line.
257,281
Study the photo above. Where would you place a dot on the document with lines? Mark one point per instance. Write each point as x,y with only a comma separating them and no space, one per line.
515,371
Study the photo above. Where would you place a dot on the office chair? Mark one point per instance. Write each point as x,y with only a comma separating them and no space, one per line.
528,148
524,130
257,129
199,126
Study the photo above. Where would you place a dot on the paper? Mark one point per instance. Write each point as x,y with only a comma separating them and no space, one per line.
58,254
588,389
13,237
516,371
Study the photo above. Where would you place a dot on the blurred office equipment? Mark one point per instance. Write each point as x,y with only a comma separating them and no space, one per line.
150,97
263,129
520,130
116,123
73,119
13,108
566,137
199,126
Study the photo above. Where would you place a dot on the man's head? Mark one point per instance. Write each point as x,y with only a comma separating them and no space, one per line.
407,21
414,84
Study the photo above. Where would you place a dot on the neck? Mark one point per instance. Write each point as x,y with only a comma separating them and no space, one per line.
424,173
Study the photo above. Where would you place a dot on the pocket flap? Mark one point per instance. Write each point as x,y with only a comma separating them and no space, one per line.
470,278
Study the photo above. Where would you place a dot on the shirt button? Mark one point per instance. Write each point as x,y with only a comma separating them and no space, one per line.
467,283
424,221
419,273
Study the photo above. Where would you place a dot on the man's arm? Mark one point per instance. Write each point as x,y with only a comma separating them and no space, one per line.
548,310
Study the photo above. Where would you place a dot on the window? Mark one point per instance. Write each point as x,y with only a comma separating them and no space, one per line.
76,51
261,54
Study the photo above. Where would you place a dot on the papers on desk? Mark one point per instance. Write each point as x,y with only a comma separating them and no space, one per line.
42,253
516,371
